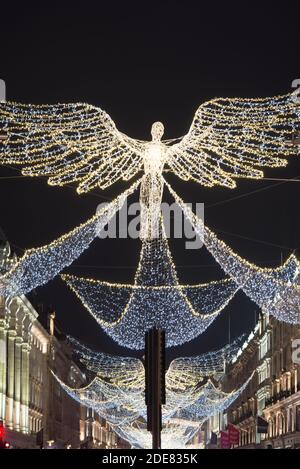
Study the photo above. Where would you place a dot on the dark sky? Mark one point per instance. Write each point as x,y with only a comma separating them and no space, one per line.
141,62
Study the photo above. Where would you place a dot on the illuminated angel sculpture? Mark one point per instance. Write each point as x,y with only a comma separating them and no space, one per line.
228,139
79,143
155,299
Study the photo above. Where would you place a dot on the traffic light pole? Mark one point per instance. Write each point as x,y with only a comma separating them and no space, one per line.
155,394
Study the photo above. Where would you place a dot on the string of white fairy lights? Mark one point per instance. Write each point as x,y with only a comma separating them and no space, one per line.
123,408
228,138
119,397
186,371
120,371
174,435
127,311
276,291
38,266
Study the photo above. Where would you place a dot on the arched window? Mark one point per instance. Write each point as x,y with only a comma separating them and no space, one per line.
280,424
270,428
274,426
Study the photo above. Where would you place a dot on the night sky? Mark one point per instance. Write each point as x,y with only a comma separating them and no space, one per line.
142,62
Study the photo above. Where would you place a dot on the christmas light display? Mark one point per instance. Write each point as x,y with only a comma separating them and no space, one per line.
129,371
38,266
115,404
119,397
79,143
119,371
276,291
156,298
228,139
187,371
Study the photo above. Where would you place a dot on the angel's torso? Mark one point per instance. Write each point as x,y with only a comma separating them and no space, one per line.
154,158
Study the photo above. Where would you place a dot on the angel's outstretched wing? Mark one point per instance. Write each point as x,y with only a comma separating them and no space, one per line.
232,138
67,143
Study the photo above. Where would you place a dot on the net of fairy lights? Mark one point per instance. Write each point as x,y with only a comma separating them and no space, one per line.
117,393
38,266
276,291
79,143
191,411
155,298
175,434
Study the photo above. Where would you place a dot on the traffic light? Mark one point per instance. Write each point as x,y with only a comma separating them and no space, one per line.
3,444
162,366
155,363
155,389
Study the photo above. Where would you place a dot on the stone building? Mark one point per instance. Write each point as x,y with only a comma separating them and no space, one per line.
282,405
242,412
274,391
96,433
32,403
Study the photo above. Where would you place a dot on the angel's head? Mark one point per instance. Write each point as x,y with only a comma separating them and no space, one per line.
157,131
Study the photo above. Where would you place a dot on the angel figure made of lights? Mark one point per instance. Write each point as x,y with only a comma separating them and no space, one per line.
78,143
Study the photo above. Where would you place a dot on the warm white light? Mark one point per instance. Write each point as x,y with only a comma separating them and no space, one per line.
38,266
229,138
276,291
117,394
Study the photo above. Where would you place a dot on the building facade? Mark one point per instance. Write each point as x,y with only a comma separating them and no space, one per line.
273,395
35,411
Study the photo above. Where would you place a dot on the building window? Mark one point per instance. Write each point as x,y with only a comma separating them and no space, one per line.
270,428
280,424
298,418
291,419
289,381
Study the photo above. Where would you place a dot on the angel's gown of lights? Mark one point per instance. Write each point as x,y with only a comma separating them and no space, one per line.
152,183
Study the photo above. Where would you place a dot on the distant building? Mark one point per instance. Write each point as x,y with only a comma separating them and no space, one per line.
273,395
243,412
34,409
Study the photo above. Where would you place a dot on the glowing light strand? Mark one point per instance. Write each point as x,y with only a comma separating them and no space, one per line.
122,408
276,291
186,371
38,266
156,298
228,138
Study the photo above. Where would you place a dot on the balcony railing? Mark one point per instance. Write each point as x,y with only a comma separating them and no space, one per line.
244,416
278,397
